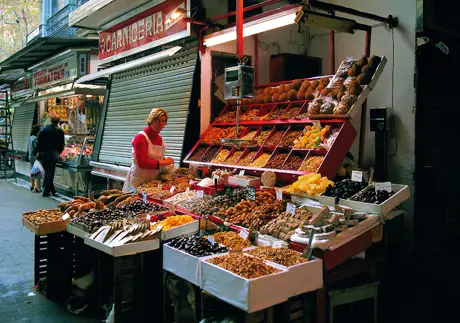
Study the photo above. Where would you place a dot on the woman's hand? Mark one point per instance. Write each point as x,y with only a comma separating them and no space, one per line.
166,161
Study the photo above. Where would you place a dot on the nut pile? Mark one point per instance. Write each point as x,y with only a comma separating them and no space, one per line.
197,246
213,135
220,157
263,135
290,138
345,189
281,256
371,196
277,161
250,135
43,216
180,183
243,266
261,161
181,197
227,117
275,139
275,114
293,163
284,226
250,115
247,159
231,240
196,156
312,164
234,158
231,132
290,113
209,155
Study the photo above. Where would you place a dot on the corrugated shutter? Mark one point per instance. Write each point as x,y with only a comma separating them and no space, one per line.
22,124
166,84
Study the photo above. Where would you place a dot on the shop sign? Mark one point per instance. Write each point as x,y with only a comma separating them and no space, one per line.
20,87
56,73
146,30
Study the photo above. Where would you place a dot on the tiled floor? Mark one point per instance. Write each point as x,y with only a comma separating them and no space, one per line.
16,262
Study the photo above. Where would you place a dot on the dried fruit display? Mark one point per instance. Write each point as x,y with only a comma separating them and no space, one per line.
209,155
219,159
275,139
243,266
371,196
196,156
231,240
181,197
275,114
311,164
234,158
291,113
293,163
312,137
284,226
250,135
208,205
197,246
312,184
247,159
213,135
229,116
250,115
43,216
231,132
172,222
262,136
277,161
280,256
345,189
261,161
290,138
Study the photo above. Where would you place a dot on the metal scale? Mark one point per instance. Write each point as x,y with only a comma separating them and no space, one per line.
239,85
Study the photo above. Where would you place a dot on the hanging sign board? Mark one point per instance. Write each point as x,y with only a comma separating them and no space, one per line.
67,69
149,29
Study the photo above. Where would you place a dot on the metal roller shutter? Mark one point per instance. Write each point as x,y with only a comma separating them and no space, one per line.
22,124
166,84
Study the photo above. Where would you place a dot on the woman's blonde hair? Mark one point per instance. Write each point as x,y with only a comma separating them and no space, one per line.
155,114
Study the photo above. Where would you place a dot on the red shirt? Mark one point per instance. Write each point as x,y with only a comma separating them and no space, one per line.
141,145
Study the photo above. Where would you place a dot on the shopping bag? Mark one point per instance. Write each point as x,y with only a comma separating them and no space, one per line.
37,170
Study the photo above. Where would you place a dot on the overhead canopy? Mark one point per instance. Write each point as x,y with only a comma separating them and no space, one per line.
42,48
97,13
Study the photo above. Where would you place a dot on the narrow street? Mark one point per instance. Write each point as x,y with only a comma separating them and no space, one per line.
17,261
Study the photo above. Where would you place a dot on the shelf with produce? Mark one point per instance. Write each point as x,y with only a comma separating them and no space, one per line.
204,153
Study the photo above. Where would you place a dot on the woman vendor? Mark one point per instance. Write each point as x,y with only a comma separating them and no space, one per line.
148,151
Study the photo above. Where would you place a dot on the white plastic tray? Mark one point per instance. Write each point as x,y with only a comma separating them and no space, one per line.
76,231
249,295
184,229
124,250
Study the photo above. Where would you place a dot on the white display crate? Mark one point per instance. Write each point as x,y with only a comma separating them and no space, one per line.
126,249
184,229
182,264
249,295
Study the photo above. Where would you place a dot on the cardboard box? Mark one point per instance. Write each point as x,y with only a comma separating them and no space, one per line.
45,228
249,295
126,249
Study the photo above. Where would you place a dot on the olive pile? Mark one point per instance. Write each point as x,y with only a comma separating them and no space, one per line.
140,206
345,189
371,196
197,246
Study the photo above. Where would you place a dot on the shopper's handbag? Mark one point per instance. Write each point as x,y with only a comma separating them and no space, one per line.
37,170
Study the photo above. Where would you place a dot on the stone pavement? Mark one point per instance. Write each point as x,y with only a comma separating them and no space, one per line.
17,262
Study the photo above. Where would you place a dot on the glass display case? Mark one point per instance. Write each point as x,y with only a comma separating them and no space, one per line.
77,150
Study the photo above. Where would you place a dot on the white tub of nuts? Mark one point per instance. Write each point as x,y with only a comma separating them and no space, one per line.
245,282
304,276
244,180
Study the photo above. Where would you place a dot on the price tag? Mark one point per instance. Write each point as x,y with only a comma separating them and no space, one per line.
187,190
277,244
190,182
200,193
211,239
356,176
251,193
144,197
132,190
229,191
65,216
160,186
316,123
290,208
244,234
172,189
242,172
384,186
279,195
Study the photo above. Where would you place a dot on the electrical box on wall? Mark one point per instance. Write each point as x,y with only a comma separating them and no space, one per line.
286,66
239,82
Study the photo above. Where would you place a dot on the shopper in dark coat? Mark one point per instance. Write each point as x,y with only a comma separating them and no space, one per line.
49,146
